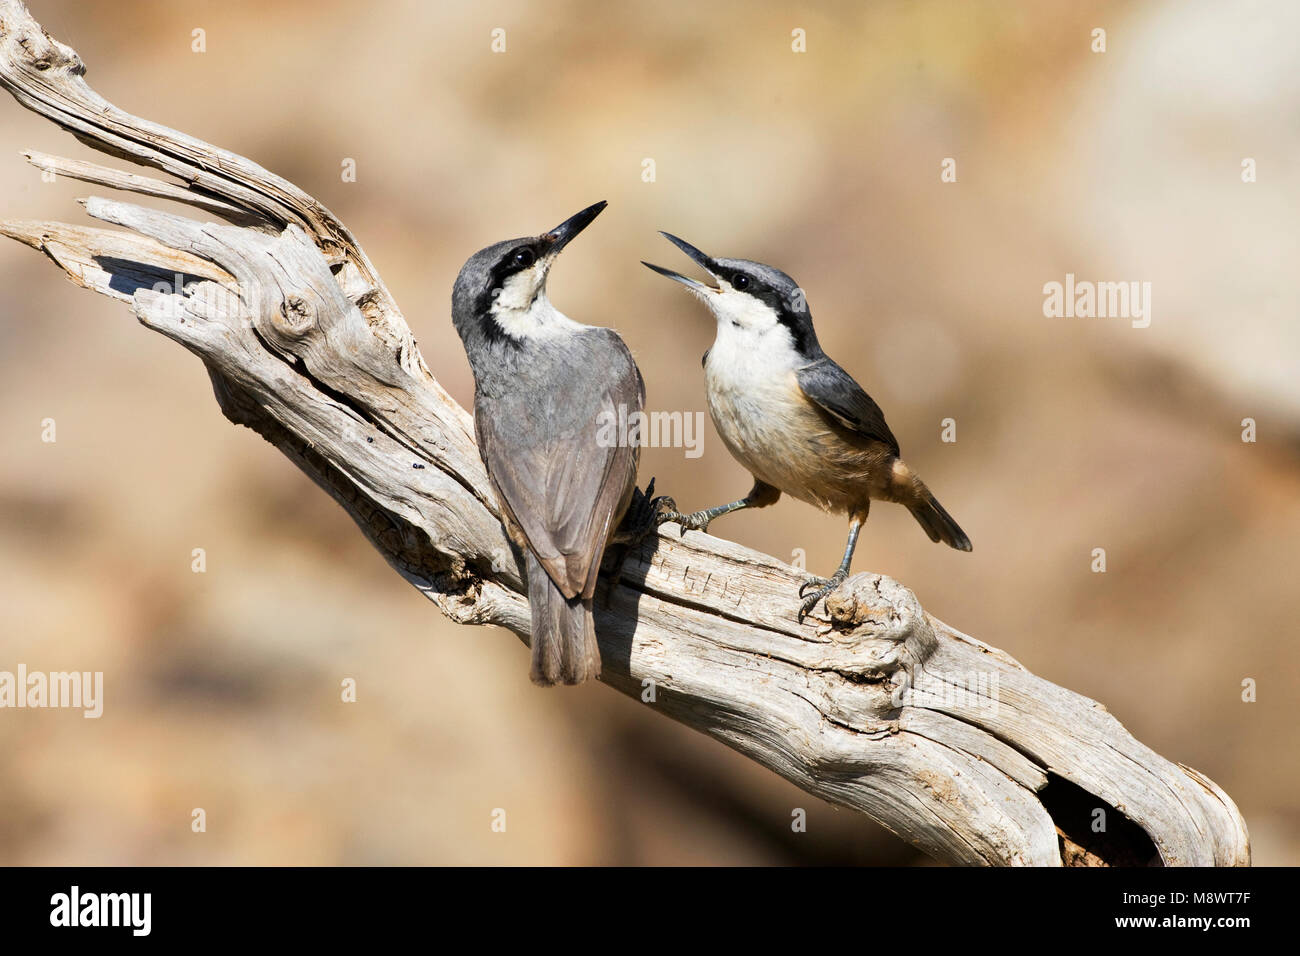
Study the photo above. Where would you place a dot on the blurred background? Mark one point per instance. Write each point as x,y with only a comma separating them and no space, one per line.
222,688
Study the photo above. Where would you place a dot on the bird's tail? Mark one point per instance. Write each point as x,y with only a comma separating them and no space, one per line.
564,632
938,524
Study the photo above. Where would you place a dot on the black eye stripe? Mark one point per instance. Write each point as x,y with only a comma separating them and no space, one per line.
782,296
504,268
516,260
779,303
797,331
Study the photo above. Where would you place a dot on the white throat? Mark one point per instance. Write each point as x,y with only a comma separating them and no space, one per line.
747,356
525,314
734,308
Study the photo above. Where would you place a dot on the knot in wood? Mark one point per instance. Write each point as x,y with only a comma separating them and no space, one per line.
296,315
879,603
43,53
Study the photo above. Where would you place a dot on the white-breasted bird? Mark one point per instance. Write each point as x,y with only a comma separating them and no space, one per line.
793,417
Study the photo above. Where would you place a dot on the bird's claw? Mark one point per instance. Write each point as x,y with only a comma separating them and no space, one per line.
813,583
695,521
641,519
666,510
643,516
824,587
661,507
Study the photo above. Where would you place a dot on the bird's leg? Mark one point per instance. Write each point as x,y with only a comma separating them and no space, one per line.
699,520
644,515
760,496
640,520
826,585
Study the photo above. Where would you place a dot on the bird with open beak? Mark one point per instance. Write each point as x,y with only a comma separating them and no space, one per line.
793,417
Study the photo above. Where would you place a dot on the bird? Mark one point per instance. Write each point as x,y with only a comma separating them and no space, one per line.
543,383
792,416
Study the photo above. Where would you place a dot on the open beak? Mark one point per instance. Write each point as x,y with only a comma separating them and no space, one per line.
560,236
700,259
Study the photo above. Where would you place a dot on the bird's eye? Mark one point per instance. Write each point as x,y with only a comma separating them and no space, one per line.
524,258
740,281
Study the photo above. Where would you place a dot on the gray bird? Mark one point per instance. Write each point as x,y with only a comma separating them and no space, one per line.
794,418
542,384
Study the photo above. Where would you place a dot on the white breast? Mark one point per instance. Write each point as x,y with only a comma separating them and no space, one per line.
756,403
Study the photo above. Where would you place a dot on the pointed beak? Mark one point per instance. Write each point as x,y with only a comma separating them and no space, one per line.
560,236
700,259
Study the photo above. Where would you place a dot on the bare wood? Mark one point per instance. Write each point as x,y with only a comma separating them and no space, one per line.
945,740
145,185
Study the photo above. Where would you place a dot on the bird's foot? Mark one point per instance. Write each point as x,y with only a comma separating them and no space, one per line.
640,521
645,513
695,521
824,587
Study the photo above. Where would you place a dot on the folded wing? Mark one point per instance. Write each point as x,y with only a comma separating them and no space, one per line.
562,481
839,396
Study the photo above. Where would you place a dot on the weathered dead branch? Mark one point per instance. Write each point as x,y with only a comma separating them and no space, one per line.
946,741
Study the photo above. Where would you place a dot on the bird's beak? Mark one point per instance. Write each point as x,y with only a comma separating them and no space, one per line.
560,236
700,259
